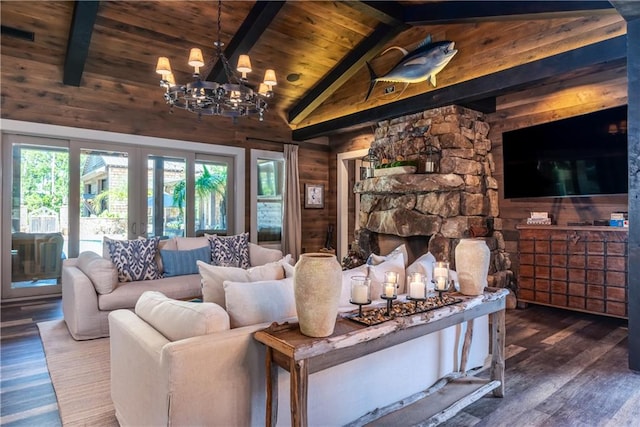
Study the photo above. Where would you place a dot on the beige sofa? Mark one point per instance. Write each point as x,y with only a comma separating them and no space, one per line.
90,288
161,374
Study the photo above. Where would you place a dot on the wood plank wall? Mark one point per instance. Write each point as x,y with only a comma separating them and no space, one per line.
562,99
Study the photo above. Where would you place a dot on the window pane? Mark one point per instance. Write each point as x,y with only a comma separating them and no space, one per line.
269,203
166,196
211,182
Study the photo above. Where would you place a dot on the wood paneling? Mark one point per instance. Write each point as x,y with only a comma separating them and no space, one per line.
483,48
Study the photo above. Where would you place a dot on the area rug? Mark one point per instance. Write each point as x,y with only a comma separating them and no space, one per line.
80,375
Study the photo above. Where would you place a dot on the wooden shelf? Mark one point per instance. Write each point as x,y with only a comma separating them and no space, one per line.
433,406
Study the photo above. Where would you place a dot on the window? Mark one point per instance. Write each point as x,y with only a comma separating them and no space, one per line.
267,187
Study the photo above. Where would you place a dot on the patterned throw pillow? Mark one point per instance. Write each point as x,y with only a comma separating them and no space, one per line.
230,251
135,259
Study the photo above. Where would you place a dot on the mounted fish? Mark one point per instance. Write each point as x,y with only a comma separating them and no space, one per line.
421,64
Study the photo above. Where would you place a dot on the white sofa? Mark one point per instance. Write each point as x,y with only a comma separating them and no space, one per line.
90,287
218,379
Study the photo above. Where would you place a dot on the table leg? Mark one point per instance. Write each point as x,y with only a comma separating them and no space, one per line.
272,389
299,375
497,350
466,347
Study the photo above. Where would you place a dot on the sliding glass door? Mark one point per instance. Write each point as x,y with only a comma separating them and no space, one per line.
39,215
66,196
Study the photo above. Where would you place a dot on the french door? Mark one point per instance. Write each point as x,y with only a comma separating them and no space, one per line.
67,196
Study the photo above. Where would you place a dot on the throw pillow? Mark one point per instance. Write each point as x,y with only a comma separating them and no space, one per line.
230,251
135,259
423,265
259,302
169,244
378,259
178,320
394,262
187,243
102,273
213,278
259,255
178,263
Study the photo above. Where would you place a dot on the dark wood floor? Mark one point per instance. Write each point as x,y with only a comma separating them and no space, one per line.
563,369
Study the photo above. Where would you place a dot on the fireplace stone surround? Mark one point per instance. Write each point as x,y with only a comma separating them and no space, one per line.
434,210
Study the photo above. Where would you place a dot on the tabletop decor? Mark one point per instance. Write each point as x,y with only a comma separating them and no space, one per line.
377,315
360,292
472,265
317,282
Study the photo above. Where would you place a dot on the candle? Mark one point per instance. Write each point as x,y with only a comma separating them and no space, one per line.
440,272
391,277
441,283
389,290
428,166
359,294
416,290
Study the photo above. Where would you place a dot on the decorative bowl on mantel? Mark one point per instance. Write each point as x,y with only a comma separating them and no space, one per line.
396,170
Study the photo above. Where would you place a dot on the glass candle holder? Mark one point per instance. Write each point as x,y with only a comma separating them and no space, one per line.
417,288
388,290
441,275
360,290
391,277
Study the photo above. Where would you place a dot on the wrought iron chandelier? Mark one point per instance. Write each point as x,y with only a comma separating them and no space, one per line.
235,98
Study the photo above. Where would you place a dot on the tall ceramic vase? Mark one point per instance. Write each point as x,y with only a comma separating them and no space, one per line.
317,286
472,265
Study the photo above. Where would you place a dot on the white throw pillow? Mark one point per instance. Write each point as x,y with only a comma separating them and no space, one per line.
102,272
178,320
259,255
259,302
424,266
213,278
394,262
379,259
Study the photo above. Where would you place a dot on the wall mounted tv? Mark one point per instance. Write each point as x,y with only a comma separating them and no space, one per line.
578,156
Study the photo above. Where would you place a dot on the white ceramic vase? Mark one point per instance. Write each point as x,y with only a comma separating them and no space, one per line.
472,265
317,286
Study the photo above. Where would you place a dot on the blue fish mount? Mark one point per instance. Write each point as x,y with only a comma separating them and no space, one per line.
421,64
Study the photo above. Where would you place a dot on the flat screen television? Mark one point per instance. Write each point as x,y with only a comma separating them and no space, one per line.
578,156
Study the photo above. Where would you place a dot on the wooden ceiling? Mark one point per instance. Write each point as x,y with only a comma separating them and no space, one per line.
324,43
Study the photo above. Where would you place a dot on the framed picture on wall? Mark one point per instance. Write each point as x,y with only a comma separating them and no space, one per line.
314,196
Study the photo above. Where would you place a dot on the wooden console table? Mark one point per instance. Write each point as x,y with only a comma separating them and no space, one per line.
301,355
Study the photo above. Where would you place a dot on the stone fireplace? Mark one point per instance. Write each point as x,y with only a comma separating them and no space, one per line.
434,210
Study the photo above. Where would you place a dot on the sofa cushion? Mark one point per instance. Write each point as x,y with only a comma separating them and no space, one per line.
259,255
178,320
125,296
178,263
259,302
102,273
213,278
187,243
230,251
135,259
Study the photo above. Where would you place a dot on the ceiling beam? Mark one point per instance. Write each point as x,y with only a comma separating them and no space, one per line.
366,50
84,16
250,31
447,12
612,51
629,9
387,12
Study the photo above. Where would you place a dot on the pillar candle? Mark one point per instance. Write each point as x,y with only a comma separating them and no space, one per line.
416,290
359,294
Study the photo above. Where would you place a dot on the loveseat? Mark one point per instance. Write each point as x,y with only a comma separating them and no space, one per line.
207,369
92,285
